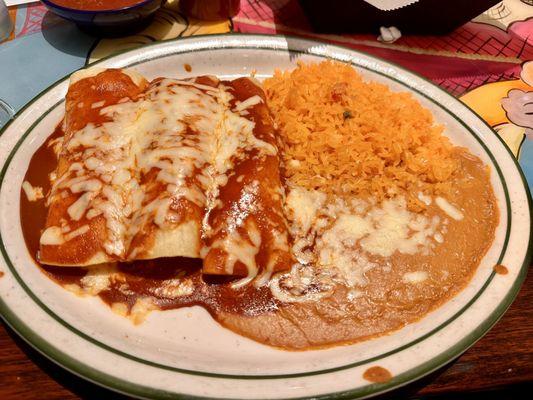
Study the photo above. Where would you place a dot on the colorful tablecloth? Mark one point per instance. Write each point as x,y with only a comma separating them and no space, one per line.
487,63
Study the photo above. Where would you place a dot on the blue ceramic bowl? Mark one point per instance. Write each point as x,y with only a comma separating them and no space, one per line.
112,22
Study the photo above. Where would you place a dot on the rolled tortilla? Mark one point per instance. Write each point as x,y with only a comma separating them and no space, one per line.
94,187
245,230
132,174
171,168
173,162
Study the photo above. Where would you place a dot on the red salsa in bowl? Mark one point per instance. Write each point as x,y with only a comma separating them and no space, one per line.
97,5
106,17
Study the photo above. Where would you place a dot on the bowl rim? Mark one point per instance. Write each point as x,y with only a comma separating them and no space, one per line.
52,5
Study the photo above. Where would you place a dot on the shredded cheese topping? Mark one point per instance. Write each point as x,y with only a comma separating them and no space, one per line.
33,193
449,209
339,241
185,137
415,277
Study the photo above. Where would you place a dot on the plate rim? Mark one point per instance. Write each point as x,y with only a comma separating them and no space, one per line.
124,354
87,372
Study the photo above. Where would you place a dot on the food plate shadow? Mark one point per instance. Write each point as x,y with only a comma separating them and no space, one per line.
65,36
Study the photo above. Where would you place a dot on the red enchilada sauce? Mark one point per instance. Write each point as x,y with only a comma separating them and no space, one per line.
96,5
144,277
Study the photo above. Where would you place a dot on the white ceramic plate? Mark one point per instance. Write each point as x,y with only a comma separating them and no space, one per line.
184,352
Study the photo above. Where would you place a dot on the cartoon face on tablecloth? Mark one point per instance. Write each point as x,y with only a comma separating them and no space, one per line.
507,107
506,12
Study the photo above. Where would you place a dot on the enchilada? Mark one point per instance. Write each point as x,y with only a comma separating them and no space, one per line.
169,168
245,230
93,181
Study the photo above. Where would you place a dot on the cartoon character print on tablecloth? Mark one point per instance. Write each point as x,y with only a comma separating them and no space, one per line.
508,108
503,14
507,105
168,23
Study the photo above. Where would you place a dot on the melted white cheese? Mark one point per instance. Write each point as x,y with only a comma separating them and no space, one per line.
449,209
293,286
415,277
342,237
173,288
240,249
184,131
141,309
384,229
33,193
78,209
336,249
98,104
303,205
56,144
424,198
97,280
250,102
77,232
397,229
52,236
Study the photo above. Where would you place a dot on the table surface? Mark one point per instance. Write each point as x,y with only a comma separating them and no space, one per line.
495,47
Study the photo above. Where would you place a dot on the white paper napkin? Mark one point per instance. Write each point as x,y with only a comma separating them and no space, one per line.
388,5
17,2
